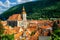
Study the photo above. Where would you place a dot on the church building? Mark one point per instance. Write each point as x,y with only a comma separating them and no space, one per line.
17,20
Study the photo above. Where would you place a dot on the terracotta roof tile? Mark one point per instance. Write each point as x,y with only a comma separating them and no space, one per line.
15,17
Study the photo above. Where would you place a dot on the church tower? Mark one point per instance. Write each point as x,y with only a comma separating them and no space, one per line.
24,14
25,23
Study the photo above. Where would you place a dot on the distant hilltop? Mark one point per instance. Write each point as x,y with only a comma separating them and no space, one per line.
35,10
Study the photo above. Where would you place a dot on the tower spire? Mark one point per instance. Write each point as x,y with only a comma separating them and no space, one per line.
23,10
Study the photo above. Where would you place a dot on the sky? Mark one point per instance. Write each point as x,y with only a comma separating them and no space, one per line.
6,4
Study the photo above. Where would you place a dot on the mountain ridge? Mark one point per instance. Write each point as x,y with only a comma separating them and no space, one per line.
31,8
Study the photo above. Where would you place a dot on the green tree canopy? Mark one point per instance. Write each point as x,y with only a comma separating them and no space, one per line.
1,28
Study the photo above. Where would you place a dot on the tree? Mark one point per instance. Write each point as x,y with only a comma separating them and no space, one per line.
8,37
1,28
32,33
55,26
55,35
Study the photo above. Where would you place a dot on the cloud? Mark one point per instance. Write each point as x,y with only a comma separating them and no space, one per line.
13,3
1,4
23,1
7,4
2,10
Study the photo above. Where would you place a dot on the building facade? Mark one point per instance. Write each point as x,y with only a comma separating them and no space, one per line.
17,21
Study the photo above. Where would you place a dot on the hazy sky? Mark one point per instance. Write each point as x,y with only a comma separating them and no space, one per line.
6,4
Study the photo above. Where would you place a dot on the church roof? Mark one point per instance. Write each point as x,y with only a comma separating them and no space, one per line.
15,17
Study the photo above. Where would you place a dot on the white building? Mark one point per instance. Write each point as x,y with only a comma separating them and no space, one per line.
20,23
